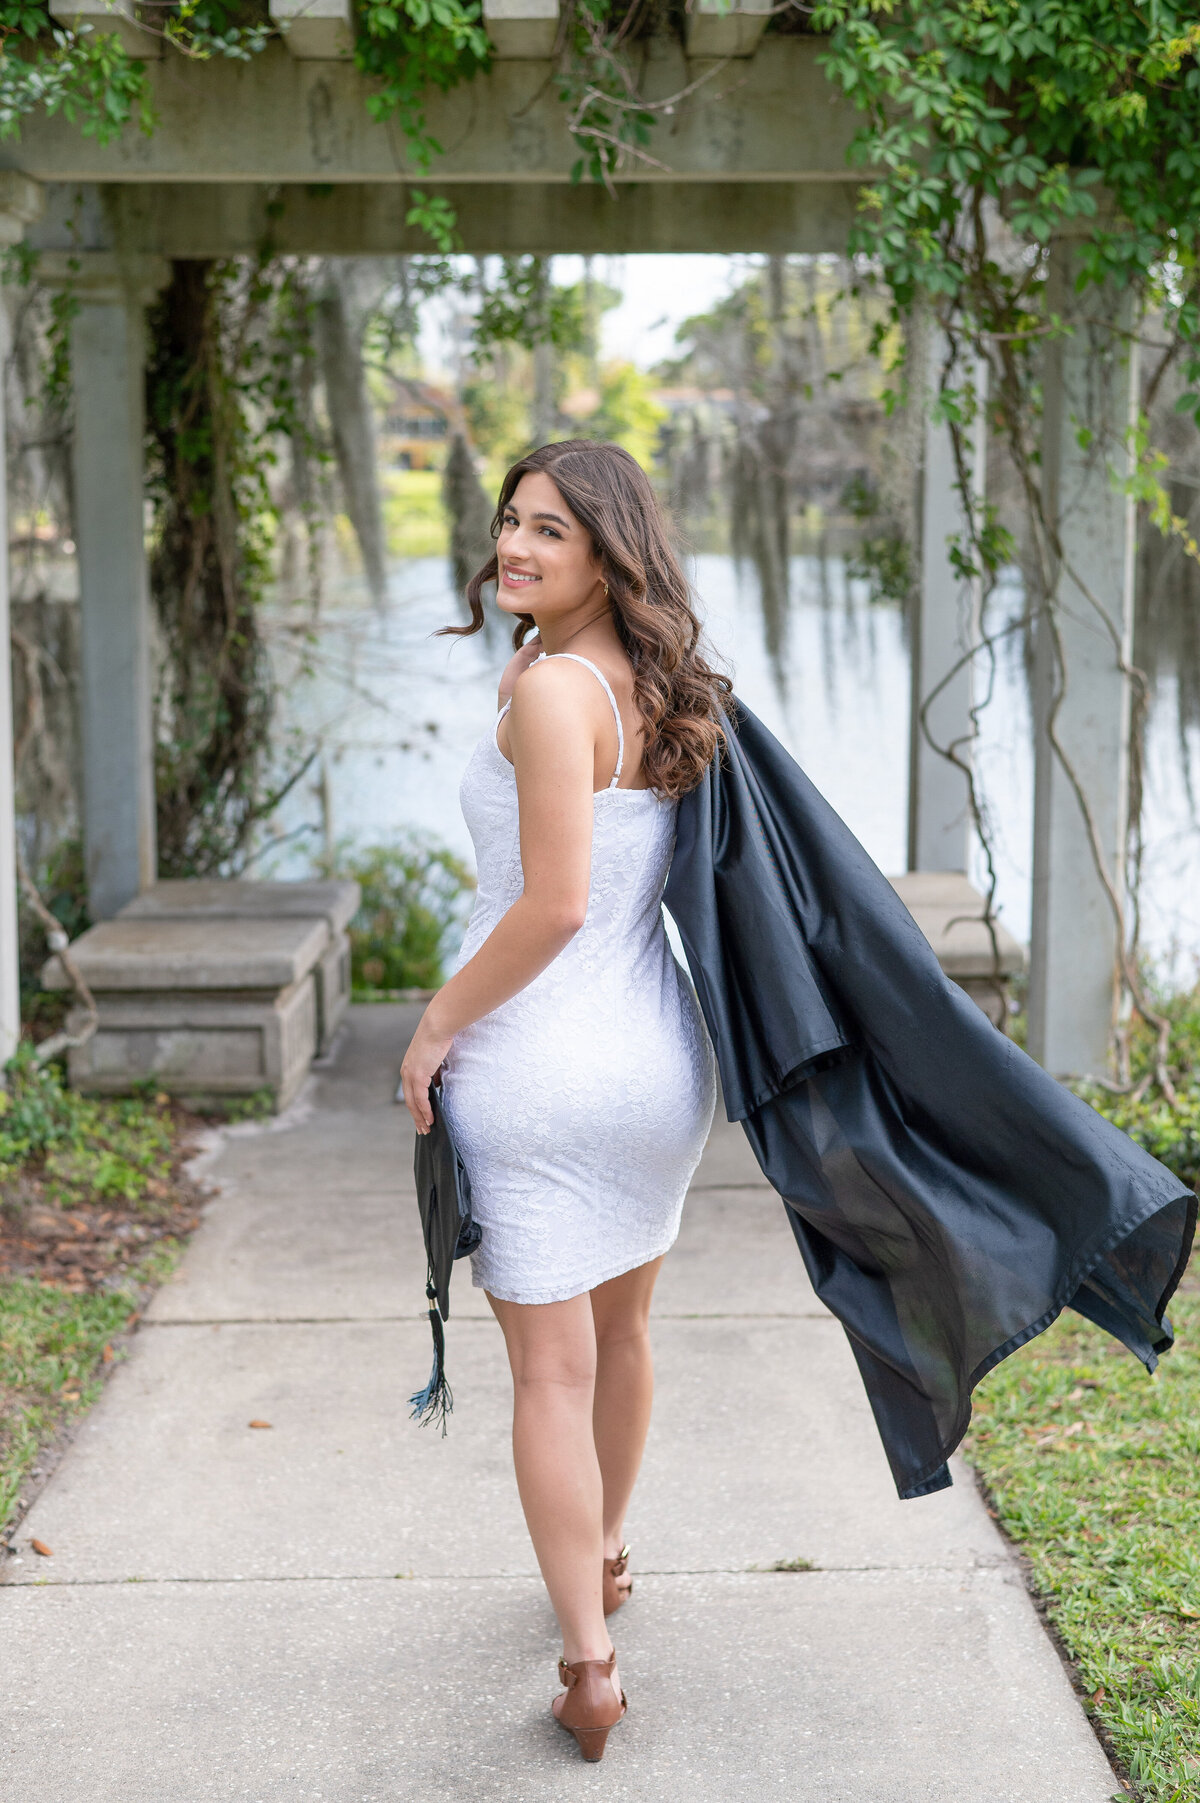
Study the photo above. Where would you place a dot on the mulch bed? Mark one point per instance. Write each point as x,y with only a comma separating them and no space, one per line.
91,1247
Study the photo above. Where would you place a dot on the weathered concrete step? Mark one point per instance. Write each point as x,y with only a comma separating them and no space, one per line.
157,955
209,898
237,898
950,912
213,987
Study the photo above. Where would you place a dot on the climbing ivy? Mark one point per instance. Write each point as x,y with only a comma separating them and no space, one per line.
207,566
989,127
410,47
88,76
993,121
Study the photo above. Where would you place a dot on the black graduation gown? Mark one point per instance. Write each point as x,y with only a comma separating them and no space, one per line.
949,1198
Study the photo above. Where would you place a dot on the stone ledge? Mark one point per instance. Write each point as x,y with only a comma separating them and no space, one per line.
949,911
192,1045
238,898
213,898
155,954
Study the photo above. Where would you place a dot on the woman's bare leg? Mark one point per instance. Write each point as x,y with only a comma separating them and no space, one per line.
552,1352
624,1392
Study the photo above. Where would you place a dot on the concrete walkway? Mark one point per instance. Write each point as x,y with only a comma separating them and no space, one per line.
345,1608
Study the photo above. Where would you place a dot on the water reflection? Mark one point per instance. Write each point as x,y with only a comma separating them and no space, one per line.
398,712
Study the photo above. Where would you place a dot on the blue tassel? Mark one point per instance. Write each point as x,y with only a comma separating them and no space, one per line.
436,1400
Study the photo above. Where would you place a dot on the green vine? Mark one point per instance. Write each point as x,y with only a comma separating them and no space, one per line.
87,76
991,127
409,47
223,386
986,118
90,77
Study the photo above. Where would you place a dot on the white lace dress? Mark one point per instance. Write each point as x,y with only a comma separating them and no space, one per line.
581,1106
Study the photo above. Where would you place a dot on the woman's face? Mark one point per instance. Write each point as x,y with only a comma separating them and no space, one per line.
547,565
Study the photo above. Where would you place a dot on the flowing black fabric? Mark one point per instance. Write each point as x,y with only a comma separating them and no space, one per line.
949,1198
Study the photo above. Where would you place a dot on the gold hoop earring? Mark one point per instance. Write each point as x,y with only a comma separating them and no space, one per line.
606,591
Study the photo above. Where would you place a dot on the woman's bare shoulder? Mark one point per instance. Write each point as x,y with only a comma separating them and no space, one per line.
552,683
556,705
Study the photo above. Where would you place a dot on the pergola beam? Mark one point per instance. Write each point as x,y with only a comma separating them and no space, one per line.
725,27
364,219
283,119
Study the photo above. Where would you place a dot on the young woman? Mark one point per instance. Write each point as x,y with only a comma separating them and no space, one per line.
577,1074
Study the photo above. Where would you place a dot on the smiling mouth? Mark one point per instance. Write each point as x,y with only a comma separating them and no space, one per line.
516,578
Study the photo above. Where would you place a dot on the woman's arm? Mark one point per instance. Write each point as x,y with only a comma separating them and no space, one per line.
552,729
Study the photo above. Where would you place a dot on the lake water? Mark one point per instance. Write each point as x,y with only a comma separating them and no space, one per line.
397,712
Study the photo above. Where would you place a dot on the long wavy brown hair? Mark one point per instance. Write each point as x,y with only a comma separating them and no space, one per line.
680,697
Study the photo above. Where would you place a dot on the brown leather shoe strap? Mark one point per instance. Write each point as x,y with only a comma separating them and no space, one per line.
569,1675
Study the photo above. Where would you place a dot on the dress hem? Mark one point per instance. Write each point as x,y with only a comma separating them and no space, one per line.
541,1298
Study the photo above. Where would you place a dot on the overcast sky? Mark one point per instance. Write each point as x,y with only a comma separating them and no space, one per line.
660,292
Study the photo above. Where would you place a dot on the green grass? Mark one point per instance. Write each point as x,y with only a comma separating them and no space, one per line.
60,1151
1094,1470
53,1349
258,1106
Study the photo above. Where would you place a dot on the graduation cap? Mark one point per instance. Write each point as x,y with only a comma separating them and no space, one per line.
444,1199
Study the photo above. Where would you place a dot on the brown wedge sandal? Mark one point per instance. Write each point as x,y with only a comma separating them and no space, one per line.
590,1708
616,1568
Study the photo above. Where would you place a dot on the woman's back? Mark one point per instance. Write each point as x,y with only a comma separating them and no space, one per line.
581,1105
632,838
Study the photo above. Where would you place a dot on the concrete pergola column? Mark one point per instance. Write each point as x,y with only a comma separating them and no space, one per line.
109,294
945,630
1081,694
20,203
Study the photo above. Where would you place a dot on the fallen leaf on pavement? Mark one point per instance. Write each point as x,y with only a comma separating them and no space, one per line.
259,1424
39,1546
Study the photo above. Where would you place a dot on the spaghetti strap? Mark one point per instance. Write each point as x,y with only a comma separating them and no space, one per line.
604,682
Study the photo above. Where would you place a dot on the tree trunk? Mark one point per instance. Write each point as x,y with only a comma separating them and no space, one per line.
339,345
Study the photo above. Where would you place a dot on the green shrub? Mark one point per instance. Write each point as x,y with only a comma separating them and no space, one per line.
414,896
80,1148
1170,1132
